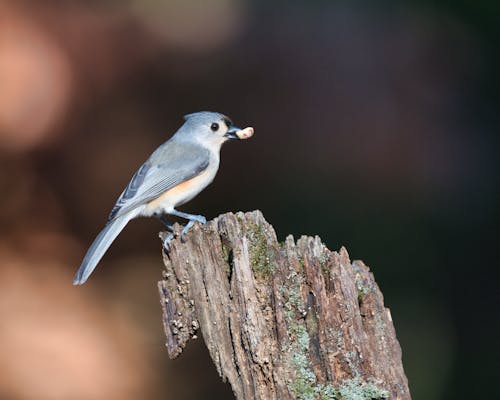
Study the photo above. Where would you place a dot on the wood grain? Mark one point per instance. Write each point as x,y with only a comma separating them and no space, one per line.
289,320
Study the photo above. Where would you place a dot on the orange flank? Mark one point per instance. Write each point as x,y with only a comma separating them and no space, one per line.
179,194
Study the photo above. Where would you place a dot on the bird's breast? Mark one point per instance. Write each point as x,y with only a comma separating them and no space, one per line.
181,193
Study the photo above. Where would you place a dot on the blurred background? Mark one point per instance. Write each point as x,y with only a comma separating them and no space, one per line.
376,128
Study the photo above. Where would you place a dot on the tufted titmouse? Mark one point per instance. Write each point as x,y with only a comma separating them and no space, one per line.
175,173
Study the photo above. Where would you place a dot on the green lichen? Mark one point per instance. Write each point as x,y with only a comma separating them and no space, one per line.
327,392
294,301
227,252
305,385
351,359
323,262
354,389
350,389
260,260
240,219
362,289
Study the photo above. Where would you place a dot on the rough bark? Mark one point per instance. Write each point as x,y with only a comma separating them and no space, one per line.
289,320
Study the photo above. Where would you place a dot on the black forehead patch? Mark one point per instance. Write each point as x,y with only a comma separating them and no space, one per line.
227,121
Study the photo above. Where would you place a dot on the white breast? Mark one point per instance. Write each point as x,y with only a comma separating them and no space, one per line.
183,192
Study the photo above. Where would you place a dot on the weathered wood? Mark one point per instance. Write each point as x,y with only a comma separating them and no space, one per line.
280,320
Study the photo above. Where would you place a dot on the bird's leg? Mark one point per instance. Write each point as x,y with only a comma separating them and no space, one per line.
192,219
165,222
170,228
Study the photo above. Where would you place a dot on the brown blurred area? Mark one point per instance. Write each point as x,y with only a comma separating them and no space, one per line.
373,130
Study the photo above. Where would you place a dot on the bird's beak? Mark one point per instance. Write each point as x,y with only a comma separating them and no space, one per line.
236,133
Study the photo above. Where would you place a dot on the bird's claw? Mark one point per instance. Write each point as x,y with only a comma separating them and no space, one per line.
185,230
166,241
199,218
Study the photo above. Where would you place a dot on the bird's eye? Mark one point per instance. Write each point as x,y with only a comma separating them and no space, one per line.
215,127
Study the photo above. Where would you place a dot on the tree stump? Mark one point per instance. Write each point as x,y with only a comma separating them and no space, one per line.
289,320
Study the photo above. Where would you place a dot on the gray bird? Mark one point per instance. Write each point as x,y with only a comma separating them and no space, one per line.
175,173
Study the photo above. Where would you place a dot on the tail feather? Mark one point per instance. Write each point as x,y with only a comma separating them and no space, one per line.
99,247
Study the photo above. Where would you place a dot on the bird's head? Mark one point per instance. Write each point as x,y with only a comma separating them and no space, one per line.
212,129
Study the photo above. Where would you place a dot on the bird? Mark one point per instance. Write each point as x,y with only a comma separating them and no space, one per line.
176,172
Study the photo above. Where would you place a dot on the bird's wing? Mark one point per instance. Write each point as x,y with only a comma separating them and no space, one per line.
170,165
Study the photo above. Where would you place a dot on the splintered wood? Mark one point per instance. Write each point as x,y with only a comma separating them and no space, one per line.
289,320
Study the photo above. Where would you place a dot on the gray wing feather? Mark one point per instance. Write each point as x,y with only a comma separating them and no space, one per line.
170,165
131,190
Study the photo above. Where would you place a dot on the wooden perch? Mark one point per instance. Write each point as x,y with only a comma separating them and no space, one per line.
280,320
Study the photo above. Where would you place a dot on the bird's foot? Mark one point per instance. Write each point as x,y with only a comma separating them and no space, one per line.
195,218
201,219
166,241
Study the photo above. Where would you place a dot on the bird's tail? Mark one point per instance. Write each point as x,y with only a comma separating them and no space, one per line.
99,247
